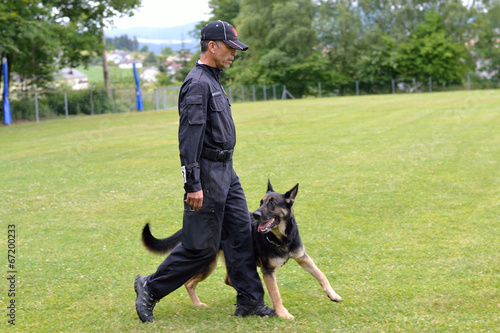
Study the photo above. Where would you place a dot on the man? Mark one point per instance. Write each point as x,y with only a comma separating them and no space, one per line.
215,211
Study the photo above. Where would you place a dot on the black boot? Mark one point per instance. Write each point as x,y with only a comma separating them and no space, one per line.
145,302
254,310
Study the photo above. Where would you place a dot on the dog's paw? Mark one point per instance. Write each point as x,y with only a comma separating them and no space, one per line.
285,314
332,295
200,305
335,297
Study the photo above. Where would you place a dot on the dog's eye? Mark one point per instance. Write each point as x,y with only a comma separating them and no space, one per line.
272,202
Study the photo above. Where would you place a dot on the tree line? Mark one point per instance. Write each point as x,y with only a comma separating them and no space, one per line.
37,37
299,43
123,42
296,43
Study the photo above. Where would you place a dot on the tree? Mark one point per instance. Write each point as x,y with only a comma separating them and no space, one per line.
167,51
487,41
363,40
430,53
39,36
123,42
281,41
377,64
150,58
340,26
224,10
28,41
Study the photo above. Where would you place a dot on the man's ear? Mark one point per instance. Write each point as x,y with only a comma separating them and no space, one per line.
290,195
269,186
212,46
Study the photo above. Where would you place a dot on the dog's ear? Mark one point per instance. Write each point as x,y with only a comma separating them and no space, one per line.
269,186
290,195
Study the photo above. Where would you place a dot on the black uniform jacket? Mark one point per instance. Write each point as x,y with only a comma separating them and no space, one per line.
205,121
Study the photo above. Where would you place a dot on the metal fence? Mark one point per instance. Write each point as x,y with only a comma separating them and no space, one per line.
34,106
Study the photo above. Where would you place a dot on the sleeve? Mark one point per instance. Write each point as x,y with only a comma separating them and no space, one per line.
192,123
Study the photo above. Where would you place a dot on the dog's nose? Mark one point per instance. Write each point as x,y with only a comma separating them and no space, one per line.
257,215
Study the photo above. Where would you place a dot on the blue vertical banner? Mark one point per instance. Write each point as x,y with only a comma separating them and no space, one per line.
7,117
139,106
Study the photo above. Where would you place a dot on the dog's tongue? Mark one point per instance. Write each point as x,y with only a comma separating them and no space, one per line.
265,225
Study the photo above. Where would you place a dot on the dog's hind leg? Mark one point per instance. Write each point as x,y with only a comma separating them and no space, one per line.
274,293
192,283
308,264
191,289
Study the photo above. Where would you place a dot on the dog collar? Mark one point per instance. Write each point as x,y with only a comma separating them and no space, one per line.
278,245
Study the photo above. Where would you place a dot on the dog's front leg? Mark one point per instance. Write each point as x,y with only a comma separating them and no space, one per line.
308,264
274,293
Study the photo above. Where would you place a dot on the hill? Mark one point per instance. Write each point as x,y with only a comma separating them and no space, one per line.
158,38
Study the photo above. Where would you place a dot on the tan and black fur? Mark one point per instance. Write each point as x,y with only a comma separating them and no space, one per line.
276,240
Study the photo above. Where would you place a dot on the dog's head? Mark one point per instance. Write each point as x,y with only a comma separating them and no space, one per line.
275,209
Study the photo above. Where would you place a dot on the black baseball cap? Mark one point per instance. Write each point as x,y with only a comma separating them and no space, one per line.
220,30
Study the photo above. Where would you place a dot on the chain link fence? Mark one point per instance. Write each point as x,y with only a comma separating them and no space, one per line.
35,106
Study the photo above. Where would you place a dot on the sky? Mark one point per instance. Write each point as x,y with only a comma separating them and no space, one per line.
165,13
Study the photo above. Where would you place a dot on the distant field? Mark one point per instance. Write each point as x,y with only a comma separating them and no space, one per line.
95,74
398,203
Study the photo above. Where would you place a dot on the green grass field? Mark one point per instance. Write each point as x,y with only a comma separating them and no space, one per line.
95,74
399,206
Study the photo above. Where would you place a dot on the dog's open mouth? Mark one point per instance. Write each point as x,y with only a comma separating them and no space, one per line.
267,225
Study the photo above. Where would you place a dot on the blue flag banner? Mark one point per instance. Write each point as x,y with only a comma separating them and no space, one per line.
139,106
7,117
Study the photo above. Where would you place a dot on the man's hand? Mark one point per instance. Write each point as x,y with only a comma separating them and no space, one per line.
195,200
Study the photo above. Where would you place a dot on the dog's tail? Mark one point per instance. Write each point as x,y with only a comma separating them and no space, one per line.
160,246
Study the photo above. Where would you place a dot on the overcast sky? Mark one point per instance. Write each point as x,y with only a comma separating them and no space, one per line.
165,13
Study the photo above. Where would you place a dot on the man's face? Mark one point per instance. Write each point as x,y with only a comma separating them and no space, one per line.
224,55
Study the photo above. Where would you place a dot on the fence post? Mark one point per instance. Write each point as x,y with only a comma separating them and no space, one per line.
393,86
156,99
274,91
91,104
468,81
242,94
66,104
114,99
36,108
230,94
357,88
430,83
253,92
319,89
265,93
164,99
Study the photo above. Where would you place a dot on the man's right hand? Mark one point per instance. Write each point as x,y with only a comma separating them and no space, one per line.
195,200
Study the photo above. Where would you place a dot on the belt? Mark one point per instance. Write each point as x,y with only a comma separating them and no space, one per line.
217,155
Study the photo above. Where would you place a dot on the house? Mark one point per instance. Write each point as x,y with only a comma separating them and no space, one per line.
172,67
72,78
119,56
174,63
149,74
124,59
127,64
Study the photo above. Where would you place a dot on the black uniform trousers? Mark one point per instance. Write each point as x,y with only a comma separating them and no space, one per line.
222,222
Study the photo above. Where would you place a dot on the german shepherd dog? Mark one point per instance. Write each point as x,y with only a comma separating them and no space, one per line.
276,239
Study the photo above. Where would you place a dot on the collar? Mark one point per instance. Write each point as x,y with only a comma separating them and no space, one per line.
276,241
212,70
